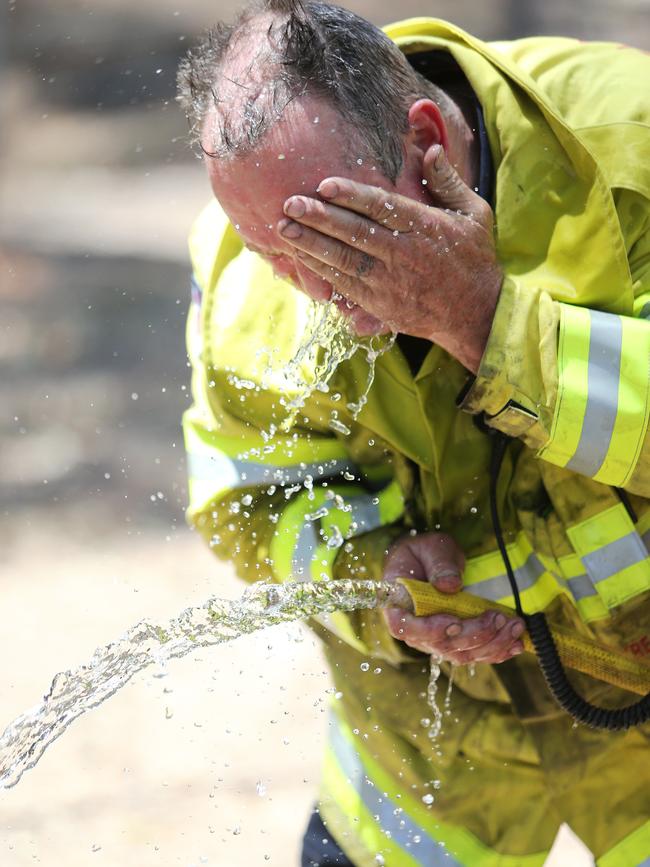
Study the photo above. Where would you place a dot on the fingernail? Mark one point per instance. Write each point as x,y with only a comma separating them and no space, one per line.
516,649
499,621
448,579
295,208
454,629
291,230
439,157
328,190
517,630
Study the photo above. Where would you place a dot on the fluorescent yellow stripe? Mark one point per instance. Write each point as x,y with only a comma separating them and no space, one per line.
632,415
612,552
459,842
632,851
573,368
600,530
281,451
592,608
391,503
626,584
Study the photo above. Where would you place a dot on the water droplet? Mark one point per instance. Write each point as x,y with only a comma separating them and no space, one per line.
428,799
365,666
339,427
335,538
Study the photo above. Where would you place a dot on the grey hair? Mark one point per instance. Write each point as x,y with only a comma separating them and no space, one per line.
306,47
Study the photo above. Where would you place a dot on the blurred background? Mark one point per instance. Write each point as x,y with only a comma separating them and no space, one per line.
216,760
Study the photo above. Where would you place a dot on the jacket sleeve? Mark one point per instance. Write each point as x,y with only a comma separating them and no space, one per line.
573,382
286,507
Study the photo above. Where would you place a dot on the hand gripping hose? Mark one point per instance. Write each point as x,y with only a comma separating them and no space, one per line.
544,643
576,651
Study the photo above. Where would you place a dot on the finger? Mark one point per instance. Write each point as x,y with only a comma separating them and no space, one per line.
449,190
424,633
469,657
394,212
338,222
444,633
491,638
329,251
454,635
500,647
351,288
433,557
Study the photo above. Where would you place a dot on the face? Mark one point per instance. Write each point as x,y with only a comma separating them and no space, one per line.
308,144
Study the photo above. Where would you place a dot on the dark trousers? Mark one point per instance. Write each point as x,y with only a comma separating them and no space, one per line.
318,847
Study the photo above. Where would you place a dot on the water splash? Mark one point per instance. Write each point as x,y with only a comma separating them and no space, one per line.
328,342
432,697
373,352
74,692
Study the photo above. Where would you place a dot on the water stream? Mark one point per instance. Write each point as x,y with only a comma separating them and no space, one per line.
74,692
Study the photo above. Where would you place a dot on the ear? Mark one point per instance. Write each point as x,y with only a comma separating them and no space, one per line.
427,125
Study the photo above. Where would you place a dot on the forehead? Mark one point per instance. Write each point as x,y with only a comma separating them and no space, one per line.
309,143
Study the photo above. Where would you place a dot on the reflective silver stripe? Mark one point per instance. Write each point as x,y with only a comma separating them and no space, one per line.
605,347
581,587
364,513
499,587
218,467
303,552
399,828
614,557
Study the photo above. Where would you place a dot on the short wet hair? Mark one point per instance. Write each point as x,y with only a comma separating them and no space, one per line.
307,48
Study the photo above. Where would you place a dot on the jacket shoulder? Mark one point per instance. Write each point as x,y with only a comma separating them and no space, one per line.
588,83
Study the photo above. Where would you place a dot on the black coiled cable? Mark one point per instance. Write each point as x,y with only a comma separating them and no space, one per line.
618,719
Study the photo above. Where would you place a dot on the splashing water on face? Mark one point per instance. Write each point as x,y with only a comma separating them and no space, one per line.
328,342
74,692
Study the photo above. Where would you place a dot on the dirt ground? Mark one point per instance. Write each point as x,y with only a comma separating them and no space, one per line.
214,761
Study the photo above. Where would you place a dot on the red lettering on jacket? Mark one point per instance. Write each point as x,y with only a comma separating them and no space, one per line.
640,647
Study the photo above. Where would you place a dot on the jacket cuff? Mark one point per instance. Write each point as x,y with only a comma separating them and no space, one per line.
516,384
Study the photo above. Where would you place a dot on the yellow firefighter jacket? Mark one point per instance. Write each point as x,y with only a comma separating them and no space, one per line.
566,373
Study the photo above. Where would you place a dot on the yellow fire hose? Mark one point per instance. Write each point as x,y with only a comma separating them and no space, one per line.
575,651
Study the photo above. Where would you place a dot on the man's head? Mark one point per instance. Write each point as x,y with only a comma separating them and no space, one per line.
294,92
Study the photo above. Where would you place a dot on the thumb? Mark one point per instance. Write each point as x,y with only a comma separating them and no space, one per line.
445,184
443,561
432,557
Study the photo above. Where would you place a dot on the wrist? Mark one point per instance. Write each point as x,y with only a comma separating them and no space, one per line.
467,335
